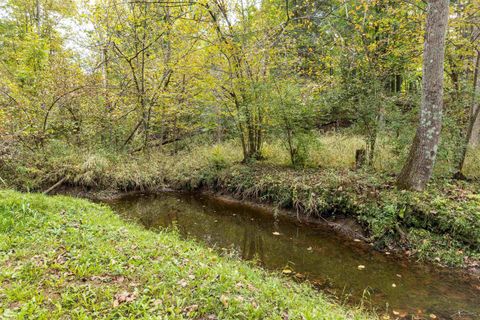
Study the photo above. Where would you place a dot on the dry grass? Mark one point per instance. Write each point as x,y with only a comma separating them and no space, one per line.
159,168
334,151
472,163
337,151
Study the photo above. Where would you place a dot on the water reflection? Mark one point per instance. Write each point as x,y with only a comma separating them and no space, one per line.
315,253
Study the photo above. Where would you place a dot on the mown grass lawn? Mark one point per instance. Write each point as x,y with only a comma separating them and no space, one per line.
68,258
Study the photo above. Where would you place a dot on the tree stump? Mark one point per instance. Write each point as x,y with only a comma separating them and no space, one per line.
360,155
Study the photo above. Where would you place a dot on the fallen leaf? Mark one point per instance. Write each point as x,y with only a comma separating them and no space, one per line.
432,316
224,300
61,259
287,271
361,267
276,233
251,287
100,279
124,297
192,308
15,305
396,312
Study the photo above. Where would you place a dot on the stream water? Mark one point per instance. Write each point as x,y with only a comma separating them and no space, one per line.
330,262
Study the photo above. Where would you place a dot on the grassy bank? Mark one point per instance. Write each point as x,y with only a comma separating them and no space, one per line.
440,225
64,257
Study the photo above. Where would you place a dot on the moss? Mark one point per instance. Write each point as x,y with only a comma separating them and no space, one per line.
68,258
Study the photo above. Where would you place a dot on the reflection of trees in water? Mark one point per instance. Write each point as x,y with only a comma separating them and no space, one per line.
163,212
172,216
252,244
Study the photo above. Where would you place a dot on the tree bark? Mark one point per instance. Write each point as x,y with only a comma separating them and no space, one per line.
473,129
474,138
418,168
37,17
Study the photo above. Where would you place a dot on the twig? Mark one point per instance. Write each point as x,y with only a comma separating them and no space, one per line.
55,185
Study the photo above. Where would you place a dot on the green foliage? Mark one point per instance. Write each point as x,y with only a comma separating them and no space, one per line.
292,118
158,74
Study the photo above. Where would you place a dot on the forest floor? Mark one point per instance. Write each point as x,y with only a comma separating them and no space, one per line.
66,257
440,225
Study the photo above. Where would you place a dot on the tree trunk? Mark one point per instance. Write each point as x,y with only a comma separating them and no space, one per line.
473,130
418,168
474,138
37,17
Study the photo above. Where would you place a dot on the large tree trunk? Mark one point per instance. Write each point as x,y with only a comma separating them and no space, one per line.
418,169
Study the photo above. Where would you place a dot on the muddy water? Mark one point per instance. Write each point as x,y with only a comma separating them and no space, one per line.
311,252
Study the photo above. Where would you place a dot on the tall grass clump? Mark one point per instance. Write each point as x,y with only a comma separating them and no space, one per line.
472,164
190,168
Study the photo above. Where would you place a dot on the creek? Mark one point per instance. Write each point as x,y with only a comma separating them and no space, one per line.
350,270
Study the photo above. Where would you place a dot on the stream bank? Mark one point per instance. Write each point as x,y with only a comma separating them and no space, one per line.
440,226
62,257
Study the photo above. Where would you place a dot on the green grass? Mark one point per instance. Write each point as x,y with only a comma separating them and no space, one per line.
62,257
